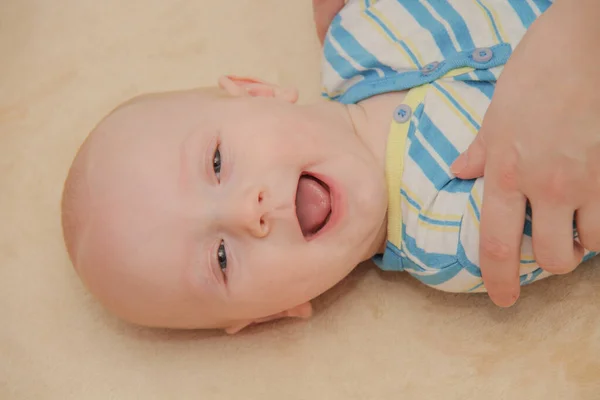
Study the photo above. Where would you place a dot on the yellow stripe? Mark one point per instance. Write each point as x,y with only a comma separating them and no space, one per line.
463,103
391,27
332,94
414,210
472,212
476,197
394,163
412,195
439,228
432,215
457,112
458,71
477,200
489,21
496,20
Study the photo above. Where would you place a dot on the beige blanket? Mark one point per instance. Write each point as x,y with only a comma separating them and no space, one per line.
66,63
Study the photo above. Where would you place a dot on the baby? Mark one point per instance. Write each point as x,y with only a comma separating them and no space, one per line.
227,206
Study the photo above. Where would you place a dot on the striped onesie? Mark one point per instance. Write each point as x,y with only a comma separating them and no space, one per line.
448,55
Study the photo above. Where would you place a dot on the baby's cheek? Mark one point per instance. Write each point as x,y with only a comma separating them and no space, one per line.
279,270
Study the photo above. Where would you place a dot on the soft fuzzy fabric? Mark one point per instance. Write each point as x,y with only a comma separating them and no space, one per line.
65,64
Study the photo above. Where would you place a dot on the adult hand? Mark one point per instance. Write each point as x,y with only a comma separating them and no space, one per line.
540,141
323,13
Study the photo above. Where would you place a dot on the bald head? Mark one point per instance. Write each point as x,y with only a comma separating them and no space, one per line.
120,218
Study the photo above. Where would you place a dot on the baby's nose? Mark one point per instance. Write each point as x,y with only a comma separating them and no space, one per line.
251,214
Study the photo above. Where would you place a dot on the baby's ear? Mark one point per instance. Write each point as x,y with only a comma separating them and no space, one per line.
302,311
242,86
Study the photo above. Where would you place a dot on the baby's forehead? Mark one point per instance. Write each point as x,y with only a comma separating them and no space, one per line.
158,117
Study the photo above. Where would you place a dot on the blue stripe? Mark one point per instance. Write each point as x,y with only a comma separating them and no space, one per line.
475,287
475,208
355,50
437,140
426,20
589,256
485,75
484,87
443,276
471,268
391,260
498,36
528,228
432,170
524,12
410,200
410,266
482,75
393,37
429,220
527,279
434,173
456,22
463,77
431,260
459,186
438,222
527,262
523,280
542,5
458,106
342,66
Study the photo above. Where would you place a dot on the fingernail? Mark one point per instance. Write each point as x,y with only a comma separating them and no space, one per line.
512,300
459,164
506,302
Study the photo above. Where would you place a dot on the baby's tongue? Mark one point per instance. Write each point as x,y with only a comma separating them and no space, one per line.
313,204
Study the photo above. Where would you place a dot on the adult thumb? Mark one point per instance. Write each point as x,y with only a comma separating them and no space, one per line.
471,163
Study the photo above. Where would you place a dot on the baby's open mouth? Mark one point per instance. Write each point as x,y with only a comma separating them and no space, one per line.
313,204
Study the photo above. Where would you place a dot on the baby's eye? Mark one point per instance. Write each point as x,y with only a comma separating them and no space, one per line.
217,163
222,256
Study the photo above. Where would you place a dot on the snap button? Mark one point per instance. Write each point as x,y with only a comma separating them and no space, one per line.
402,113
482,55
429,68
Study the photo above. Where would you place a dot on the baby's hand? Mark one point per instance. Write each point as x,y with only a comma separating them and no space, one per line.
323,13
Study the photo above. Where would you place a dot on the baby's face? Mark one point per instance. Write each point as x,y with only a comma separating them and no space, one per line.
210,210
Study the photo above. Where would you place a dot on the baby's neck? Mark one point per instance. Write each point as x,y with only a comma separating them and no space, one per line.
372,118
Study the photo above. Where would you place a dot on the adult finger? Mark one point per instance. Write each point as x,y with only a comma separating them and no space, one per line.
502,221
553,245
471,163
588,226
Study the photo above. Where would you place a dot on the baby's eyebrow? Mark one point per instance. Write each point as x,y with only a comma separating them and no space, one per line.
184,157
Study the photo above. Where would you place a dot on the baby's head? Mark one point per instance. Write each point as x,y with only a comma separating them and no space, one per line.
220,207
